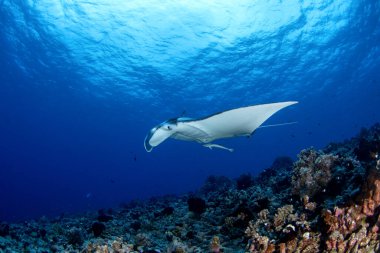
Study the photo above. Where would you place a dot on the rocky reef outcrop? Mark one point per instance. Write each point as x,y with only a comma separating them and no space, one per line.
333,205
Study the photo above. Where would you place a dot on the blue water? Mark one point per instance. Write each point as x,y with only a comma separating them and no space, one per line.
82,82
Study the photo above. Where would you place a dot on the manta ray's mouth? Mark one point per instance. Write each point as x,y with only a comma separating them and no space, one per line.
156,136
147,146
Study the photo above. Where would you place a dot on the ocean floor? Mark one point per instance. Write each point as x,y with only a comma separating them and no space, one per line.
326,201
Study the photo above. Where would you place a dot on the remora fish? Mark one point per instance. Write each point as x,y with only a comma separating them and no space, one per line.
212,145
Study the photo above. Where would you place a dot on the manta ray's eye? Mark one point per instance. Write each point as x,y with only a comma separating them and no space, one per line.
169,127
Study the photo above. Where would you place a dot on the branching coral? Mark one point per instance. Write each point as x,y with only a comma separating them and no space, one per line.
355,228
287,232
258,243
312,172
284,216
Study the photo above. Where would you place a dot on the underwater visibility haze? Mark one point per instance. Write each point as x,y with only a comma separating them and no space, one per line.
83,82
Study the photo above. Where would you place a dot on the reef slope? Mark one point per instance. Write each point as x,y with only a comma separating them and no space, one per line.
326,201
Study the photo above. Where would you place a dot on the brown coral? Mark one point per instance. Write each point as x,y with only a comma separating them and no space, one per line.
292,228
312,172
354,228
260,244
283,216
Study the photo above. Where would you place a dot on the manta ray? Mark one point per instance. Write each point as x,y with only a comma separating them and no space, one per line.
237,122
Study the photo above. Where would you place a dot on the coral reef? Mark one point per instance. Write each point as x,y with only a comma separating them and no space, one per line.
196,205
326,201
4,229
216,184
244,181
98,228
354,228
312,172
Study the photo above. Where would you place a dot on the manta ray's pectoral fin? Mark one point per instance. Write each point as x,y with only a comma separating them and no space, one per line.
211,146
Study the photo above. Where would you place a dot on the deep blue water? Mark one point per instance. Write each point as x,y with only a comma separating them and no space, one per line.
82,82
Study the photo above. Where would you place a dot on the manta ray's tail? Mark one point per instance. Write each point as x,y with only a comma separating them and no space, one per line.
282,124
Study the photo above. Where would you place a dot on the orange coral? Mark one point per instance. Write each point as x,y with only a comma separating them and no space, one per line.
215,246
352,221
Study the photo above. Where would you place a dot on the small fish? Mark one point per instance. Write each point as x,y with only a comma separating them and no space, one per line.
133,155
211,146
